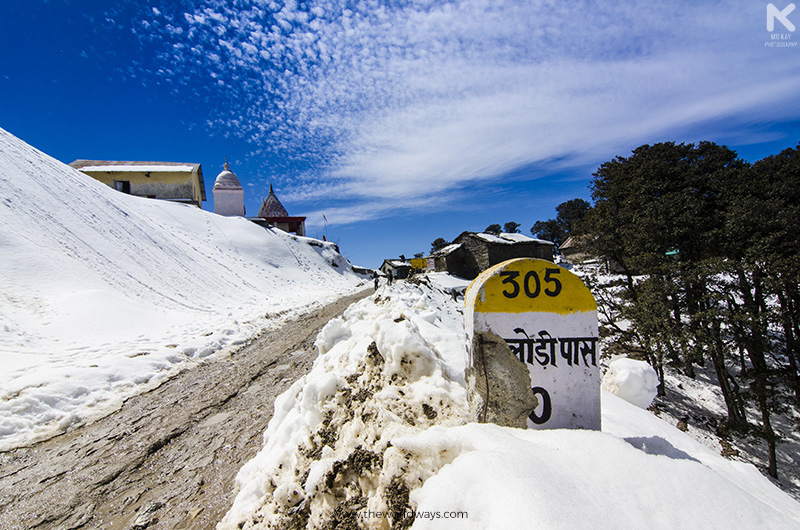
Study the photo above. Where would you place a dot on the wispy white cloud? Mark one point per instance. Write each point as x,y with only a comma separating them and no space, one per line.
398,102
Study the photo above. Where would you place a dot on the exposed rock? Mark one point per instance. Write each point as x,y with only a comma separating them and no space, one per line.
498,383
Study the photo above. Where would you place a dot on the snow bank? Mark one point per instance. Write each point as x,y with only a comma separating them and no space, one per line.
560,479
377,432
448,282
391,366
103,294
634,381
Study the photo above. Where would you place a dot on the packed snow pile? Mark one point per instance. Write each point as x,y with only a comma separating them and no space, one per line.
634,381
392,366
377,436
103,294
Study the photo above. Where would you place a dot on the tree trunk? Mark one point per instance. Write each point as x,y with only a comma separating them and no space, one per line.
662,387
791,342
688,365
768,433
730,390
742,362
656,360
755,343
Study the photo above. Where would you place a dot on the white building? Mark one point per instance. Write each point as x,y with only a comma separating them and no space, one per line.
228,193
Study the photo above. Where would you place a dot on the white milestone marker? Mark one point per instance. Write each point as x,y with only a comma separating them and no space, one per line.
548,318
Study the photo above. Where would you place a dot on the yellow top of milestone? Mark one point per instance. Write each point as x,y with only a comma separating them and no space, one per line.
526,285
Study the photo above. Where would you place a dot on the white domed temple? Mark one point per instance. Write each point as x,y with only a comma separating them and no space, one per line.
228,193
229,201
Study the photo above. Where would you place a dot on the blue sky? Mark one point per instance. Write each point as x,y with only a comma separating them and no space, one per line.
401,121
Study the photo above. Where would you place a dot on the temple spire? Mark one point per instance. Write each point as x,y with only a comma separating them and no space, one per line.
272,207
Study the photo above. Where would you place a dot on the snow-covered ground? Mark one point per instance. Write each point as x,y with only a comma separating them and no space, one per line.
103,294
379,430
697,404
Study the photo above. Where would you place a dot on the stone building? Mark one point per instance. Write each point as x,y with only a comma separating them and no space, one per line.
400,268
171,181
472,253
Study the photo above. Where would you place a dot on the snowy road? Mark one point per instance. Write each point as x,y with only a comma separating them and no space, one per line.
167,459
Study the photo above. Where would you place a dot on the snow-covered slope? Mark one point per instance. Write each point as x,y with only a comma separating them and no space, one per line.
102,293
378,430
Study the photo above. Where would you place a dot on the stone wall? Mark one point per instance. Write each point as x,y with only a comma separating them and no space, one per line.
475,255
460,262
499,253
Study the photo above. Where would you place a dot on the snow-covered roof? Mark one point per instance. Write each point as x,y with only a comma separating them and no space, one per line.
506,238
541,241
569,243
398,263
150,168
115,166
515,237
444,251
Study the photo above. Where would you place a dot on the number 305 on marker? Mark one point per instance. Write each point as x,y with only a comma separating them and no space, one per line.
531,284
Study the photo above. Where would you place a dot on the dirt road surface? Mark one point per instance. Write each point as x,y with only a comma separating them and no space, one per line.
168,458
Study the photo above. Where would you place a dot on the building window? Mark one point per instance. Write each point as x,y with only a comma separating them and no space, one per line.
123,185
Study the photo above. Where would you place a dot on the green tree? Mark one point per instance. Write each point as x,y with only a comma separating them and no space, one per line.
438,243
493,229
663,198
549,230
708,245
778,177
762,234
660,214
511,227
569,215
